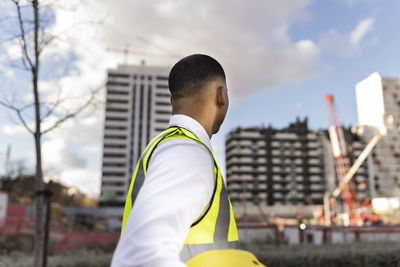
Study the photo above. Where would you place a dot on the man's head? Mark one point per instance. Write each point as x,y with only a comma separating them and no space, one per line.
198,89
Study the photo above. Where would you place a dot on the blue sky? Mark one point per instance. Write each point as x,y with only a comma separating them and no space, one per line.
281,58
337,73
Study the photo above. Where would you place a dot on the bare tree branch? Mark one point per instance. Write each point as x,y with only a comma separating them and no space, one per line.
26,106
23,36
54,106
18,111
23,59
11,38
18,66
45,43
74,113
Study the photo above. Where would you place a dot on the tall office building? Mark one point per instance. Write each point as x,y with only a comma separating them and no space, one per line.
290,166
378,104
137,109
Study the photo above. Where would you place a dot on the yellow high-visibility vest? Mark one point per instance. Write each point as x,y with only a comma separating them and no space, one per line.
216,227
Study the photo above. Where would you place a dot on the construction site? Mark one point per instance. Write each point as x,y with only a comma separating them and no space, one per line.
331,178
296,103
291,189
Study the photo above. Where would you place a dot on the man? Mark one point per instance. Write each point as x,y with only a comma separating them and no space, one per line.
177,205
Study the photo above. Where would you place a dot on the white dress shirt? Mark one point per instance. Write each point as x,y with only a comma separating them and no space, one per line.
178,186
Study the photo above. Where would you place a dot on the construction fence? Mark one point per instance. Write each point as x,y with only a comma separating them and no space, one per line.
70,228
255,233
90,228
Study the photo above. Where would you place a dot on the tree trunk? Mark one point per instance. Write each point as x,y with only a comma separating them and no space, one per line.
39,229
47,197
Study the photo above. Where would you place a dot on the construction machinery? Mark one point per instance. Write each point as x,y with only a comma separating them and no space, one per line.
342,152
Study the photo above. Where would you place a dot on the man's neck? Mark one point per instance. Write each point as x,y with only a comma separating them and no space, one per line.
206,124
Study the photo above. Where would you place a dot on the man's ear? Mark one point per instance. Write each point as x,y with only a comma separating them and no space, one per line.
221,99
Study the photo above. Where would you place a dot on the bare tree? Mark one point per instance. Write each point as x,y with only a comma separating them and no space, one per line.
33,39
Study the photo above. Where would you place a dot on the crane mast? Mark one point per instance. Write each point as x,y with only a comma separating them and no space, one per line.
341,154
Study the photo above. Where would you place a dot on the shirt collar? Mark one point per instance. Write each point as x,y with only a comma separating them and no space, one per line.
192,125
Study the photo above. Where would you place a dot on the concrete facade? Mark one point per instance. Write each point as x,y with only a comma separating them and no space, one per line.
137,109
385,160
290,166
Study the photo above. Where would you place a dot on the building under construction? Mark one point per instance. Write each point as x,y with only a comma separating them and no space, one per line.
378,104
290,166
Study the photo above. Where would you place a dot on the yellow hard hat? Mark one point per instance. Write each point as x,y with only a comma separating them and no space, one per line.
225,258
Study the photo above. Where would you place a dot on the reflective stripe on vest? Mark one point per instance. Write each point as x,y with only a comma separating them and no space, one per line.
216,227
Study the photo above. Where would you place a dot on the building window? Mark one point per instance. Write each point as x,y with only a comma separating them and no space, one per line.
116,92
163,103
165,112
161,78
109,193
116,119
116,110
118,75
161,86
163,95
108,136
148,112
114,155
162,121
117,101
107,183
112,164
141,97
114,146
116,128
117,84
119,174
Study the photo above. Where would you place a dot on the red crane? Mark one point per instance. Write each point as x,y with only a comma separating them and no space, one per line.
345,173
342,153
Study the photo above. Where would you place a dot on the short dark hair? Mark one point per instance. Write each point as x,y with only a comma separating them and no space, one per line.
190,74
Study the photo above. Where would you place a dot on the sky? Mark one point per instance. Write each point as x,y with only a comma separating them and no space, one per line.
280,58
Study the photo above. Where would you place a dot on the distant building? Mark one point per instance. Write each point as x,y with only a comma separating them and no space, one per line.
137,109
290,166
378,103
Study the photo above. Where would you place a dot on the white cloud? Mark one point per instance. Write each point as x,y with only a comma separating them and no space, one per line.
57,155
251,41
69,166
8,72
362,28
16,129
81,129
87,180
12,49
347,44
